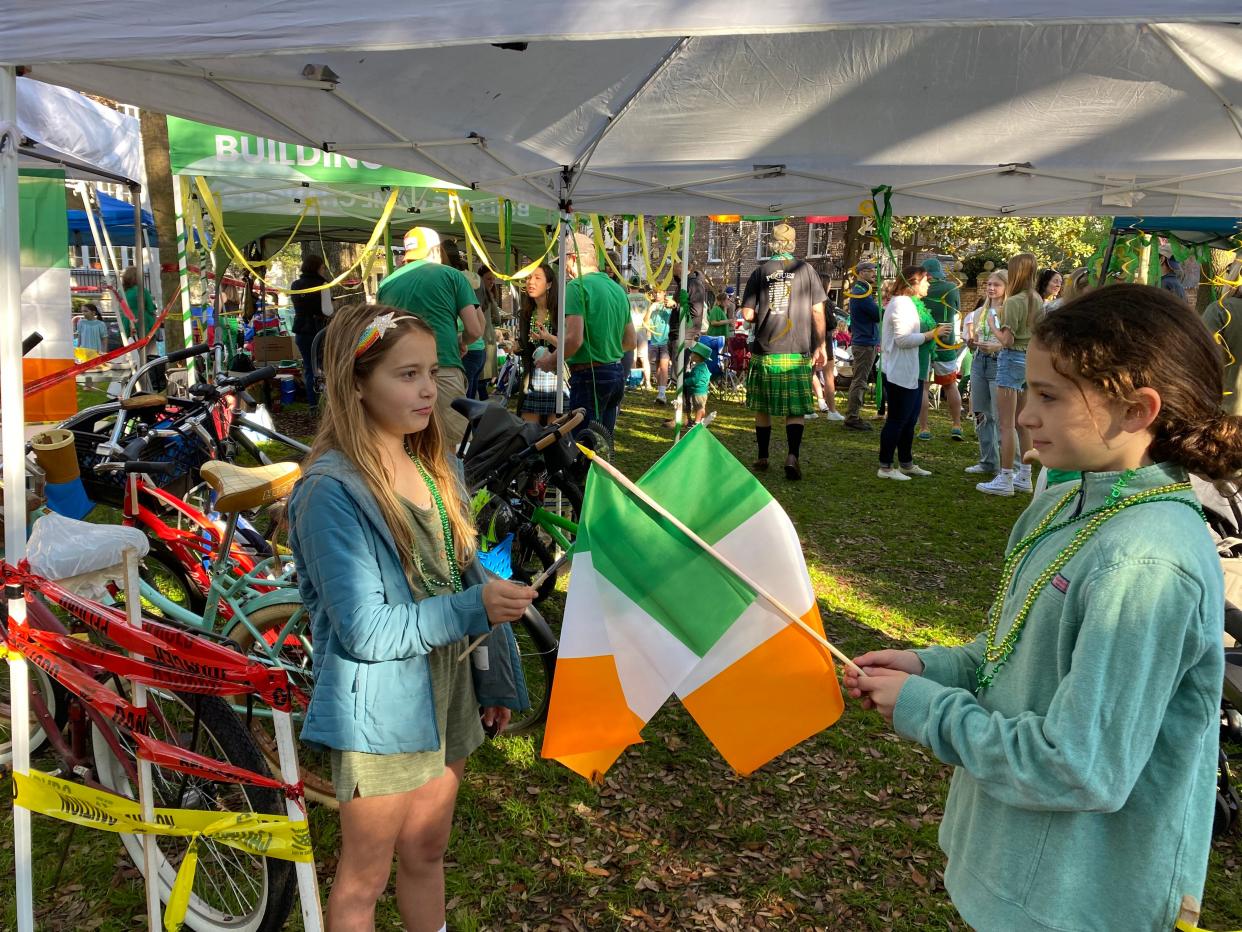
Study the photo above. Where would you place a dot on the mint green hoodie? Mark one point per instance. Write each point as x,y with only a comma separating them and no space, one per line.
1085,784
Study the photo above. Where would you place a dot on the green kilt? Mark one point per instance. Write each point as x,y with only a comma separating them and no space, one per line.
780,384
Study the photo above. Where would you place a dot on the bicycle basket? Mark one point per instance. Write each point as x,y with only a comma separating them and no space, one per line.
495,436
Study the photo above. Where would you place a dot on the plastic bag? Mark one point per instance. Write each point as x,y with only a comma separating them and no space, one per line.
82,557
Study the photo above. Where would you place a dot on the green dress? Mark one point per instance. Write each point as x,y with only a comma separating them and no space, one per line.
926,322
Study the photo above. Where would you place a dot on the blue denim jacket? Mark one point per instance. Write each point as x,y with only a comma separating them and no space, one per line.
373,690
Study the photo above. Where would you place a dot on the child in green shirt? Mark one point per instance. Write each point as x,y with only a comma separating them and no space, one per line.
699,379
1084,722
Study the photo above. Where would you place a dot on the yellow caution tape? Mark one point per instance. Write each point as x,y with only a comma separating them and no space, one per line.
364,263
459,209
1184,926
8,653
259,834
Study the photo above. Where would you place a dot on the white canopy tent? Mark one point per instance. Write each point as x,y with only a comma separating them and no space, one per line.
790,107
785,107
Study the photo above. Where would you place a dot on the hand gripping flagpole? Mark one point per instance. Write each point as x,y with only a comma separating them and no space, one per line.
790,616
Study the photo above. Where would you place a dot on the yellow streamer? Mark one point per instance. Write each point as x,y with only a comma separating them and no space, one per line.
670,254
1184,926
597,230
258,834
208,199
461,209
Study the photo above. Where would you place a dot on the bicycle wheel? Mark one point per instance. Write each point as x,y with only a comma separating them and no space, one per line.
233,891
162,571
532,553
53,697
314,765
537,647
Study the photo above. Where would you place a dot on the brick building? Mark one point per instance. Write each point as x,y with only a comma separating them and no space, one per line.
728,252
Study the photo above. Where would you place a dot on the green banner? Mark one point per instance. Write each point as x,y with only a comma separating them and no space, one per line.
200,149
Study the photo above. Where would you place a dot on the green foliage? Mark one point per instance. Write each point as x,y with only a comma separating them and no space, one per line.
1058,242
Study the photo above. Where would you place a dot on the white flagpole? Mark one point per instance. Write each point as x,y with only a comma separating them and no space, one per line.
12,425
790,616
308,883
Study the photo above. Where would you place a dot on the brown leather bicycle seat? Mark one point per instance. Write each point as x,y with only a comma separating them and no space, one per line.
143,401
241,488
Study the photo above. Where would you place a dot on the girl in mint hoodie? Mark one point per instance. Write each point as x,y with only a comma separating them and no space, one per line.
1083,722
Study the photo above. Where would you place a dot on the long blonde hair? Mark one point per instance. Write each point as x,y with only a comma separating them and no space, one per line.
1023,273
1002,276
346,428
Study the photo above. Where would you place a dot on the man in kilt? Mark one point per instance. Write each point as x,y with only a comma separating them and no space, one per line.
784,299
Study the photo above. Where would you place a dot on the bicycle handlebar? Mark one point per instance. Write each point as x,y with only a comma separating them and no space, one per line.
198,349
560,428
129,466
31,342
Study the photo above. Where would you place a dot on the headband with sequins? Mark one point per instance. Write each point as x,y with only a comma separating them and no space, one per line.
374,332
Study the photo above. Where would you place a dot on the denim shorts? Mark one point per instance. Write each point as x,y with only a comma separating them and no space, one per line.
1011,369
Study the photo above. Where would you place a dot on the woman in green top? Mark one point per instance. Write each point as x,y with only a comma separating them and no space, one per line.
718,319
1084,722
1021,312
143,323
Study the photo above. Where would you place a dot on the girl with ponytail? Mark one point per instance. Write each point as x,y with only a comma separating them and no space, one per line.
1084,721
381,530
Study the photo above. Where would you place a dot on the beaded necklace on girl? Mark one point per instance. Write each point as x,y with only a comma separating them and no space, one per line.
997,653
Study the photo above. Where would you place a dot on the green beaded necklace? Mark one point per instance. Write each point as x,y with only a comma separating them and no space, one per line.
998,653
450,551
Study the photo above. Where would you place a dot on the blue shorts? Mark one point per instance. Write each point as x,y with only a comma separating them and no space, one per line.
1011,369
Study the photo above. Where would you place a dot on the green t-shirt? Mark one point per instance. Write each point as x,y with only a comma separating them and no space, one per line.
943,302
660,316
148,311
1018,314
719,321
699,378
437,294
926,322
604,308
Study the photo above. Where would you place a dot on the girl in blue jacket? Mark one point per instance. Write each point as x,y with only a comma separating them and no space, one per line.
1083,723
382,533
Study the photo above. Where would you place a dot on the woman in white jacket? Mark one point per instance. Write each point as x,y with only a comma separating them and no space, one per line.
903,332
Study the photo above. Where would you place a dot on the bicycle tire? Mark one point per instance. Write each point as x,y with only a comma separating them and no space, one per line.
161,570
531,555
272,881
315,767
55,700
537,647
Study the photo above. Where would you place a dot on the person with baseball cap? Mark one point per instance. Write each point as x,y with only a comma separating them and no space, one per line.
439,295
1170,272
784,298
865,315
598,332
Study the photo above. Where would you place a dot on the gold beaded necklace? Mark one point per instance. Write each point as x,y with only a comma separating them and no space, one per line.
998,653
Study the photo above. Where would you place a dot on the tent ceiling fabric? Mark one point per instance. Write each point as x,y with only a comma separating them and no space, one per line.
974,116
83,135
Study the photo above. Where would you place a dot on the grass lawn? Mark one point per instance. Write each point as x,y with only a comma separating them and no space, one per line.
839,833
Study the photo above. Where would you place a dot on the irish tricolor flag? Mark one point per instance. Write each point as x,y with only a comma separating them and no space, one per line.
650,614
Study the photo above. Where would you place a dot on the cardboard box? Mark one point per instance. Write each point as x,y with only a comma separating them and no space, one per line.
273,349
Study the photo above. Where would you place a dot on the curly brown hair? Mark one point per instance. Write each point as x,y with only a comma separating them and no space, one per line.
1121,338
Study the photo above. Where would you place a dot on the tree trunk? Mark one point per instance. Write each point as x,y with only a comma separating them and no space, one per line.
1221,260
853,242
160,192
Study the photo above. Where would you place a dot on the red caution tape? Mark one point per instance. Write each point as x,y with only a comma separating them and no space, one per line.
85,687
166,646
163,754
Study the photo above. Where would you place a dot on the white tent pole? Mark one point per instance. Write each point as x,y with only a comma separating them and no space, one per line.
183,277
308,883
114,255
567,224
625,252
12,421
106,262
679,361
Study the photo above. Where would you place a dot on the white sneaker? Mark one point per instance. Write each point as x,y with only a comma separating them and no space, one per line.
1022,483
835,416
980,470
823,405
1002,484
913,470
812,416
888,472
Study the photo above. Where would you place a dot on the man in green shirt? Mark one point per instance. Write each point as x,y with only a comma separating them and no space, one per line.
440,295
598,332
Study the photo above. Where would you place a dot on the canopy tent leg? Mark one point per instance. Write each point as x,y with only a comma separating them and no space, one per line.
679,361
1108,258
183,277
12,421
567,224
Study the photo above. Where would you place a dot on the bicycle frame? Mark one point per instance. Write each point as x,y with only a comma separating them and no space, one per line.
555,525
